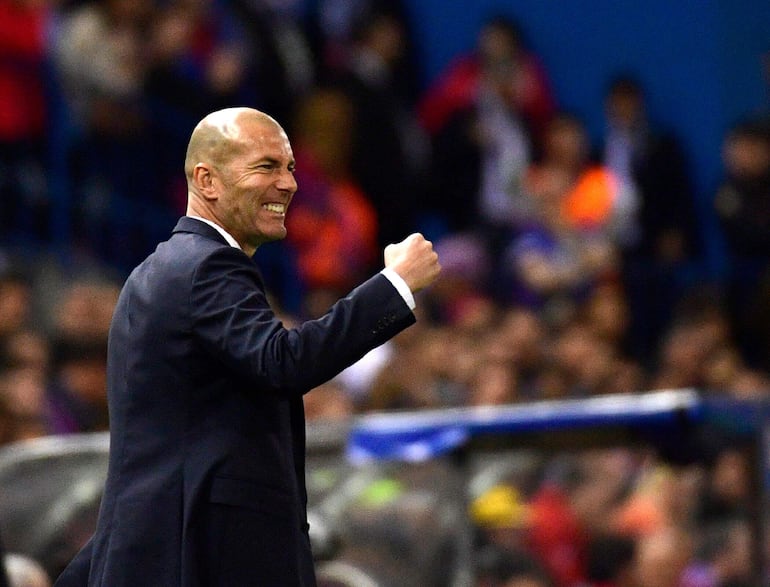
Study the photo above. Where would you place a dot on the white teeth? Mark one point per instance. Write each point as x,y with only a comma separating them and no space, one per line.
279,208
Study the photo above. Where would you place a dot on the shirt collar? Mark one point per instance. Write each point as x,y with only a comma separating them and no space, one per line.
225,235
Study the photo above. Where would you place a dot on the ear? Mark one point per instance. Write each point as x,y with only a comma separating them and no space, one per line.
203,180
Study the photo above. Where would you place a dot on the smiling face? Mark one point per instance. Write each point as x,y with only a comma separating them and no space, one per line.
240,169
257,185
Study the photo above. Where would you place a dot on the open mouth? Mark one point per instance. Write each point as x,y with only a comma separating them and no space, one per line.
277,208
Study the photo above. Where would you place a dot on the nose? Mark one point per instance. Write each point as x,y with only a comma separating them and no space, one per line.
287,182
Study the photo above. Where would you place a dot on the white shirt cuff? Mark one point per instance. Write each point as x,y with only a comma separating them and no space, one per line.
401,286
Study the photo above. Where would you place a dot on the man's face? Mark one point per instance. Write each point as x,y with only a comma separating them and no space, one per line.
256,184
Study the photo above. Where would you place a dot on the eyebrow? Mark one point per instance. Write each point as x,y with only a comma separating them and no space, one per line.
273,161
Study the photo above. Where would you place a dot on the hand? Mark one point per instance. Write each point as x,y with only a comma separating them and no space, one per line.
414,260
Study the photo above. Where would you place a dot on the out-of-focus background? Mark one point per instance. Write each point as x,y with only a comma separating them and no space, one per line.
594,175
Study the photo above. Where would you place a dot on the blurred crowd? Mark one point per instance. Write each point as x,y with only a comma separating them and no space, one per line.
571,269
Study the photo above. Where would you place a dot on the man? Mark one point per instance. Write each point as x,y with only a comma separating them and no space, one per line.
206,476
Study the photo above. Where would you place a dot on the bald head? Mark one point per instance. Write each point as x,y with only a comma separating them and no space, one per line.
219,135
240,175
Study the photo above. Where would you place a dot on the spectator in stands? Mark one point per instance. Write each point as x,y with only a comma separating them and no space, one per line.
465,277
77,394
495,382
480,116
596,199
418,375
100,52
23,362
519,338
333,228
742,202
279,56
655,265
198,51
743,207
197,62
556,535
501,57
385,135
573,504
24,198
606,313
552,263
336,24
591,365
101,56
700,327
84,309
654,163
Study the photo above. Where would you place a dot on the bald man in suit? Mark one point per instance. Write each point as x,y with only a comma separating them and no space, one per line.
206,479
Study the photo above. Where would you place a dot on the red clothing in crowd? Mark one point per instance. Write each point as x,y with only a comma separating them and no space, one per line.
556,536
22,54
333,228
457,88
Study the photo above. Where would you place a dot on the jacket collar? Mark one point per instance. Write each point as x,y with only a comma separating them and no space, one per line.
187,224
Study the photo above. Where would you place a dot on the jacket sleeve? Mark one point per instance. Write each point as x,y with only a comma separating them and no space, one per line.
234,322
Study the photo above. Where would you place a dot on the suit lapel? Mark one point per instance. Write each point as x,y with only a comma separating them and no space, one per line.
194,226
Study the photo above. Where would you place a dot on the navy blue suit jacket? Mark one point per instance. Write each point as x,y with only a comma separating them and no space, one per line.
207,434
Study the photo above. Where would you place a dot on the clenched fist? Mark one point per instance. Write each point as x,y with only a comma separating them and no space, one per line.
414,260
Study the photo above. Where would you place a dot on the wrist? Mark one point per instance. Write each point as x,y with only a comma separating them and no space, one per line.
401,286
